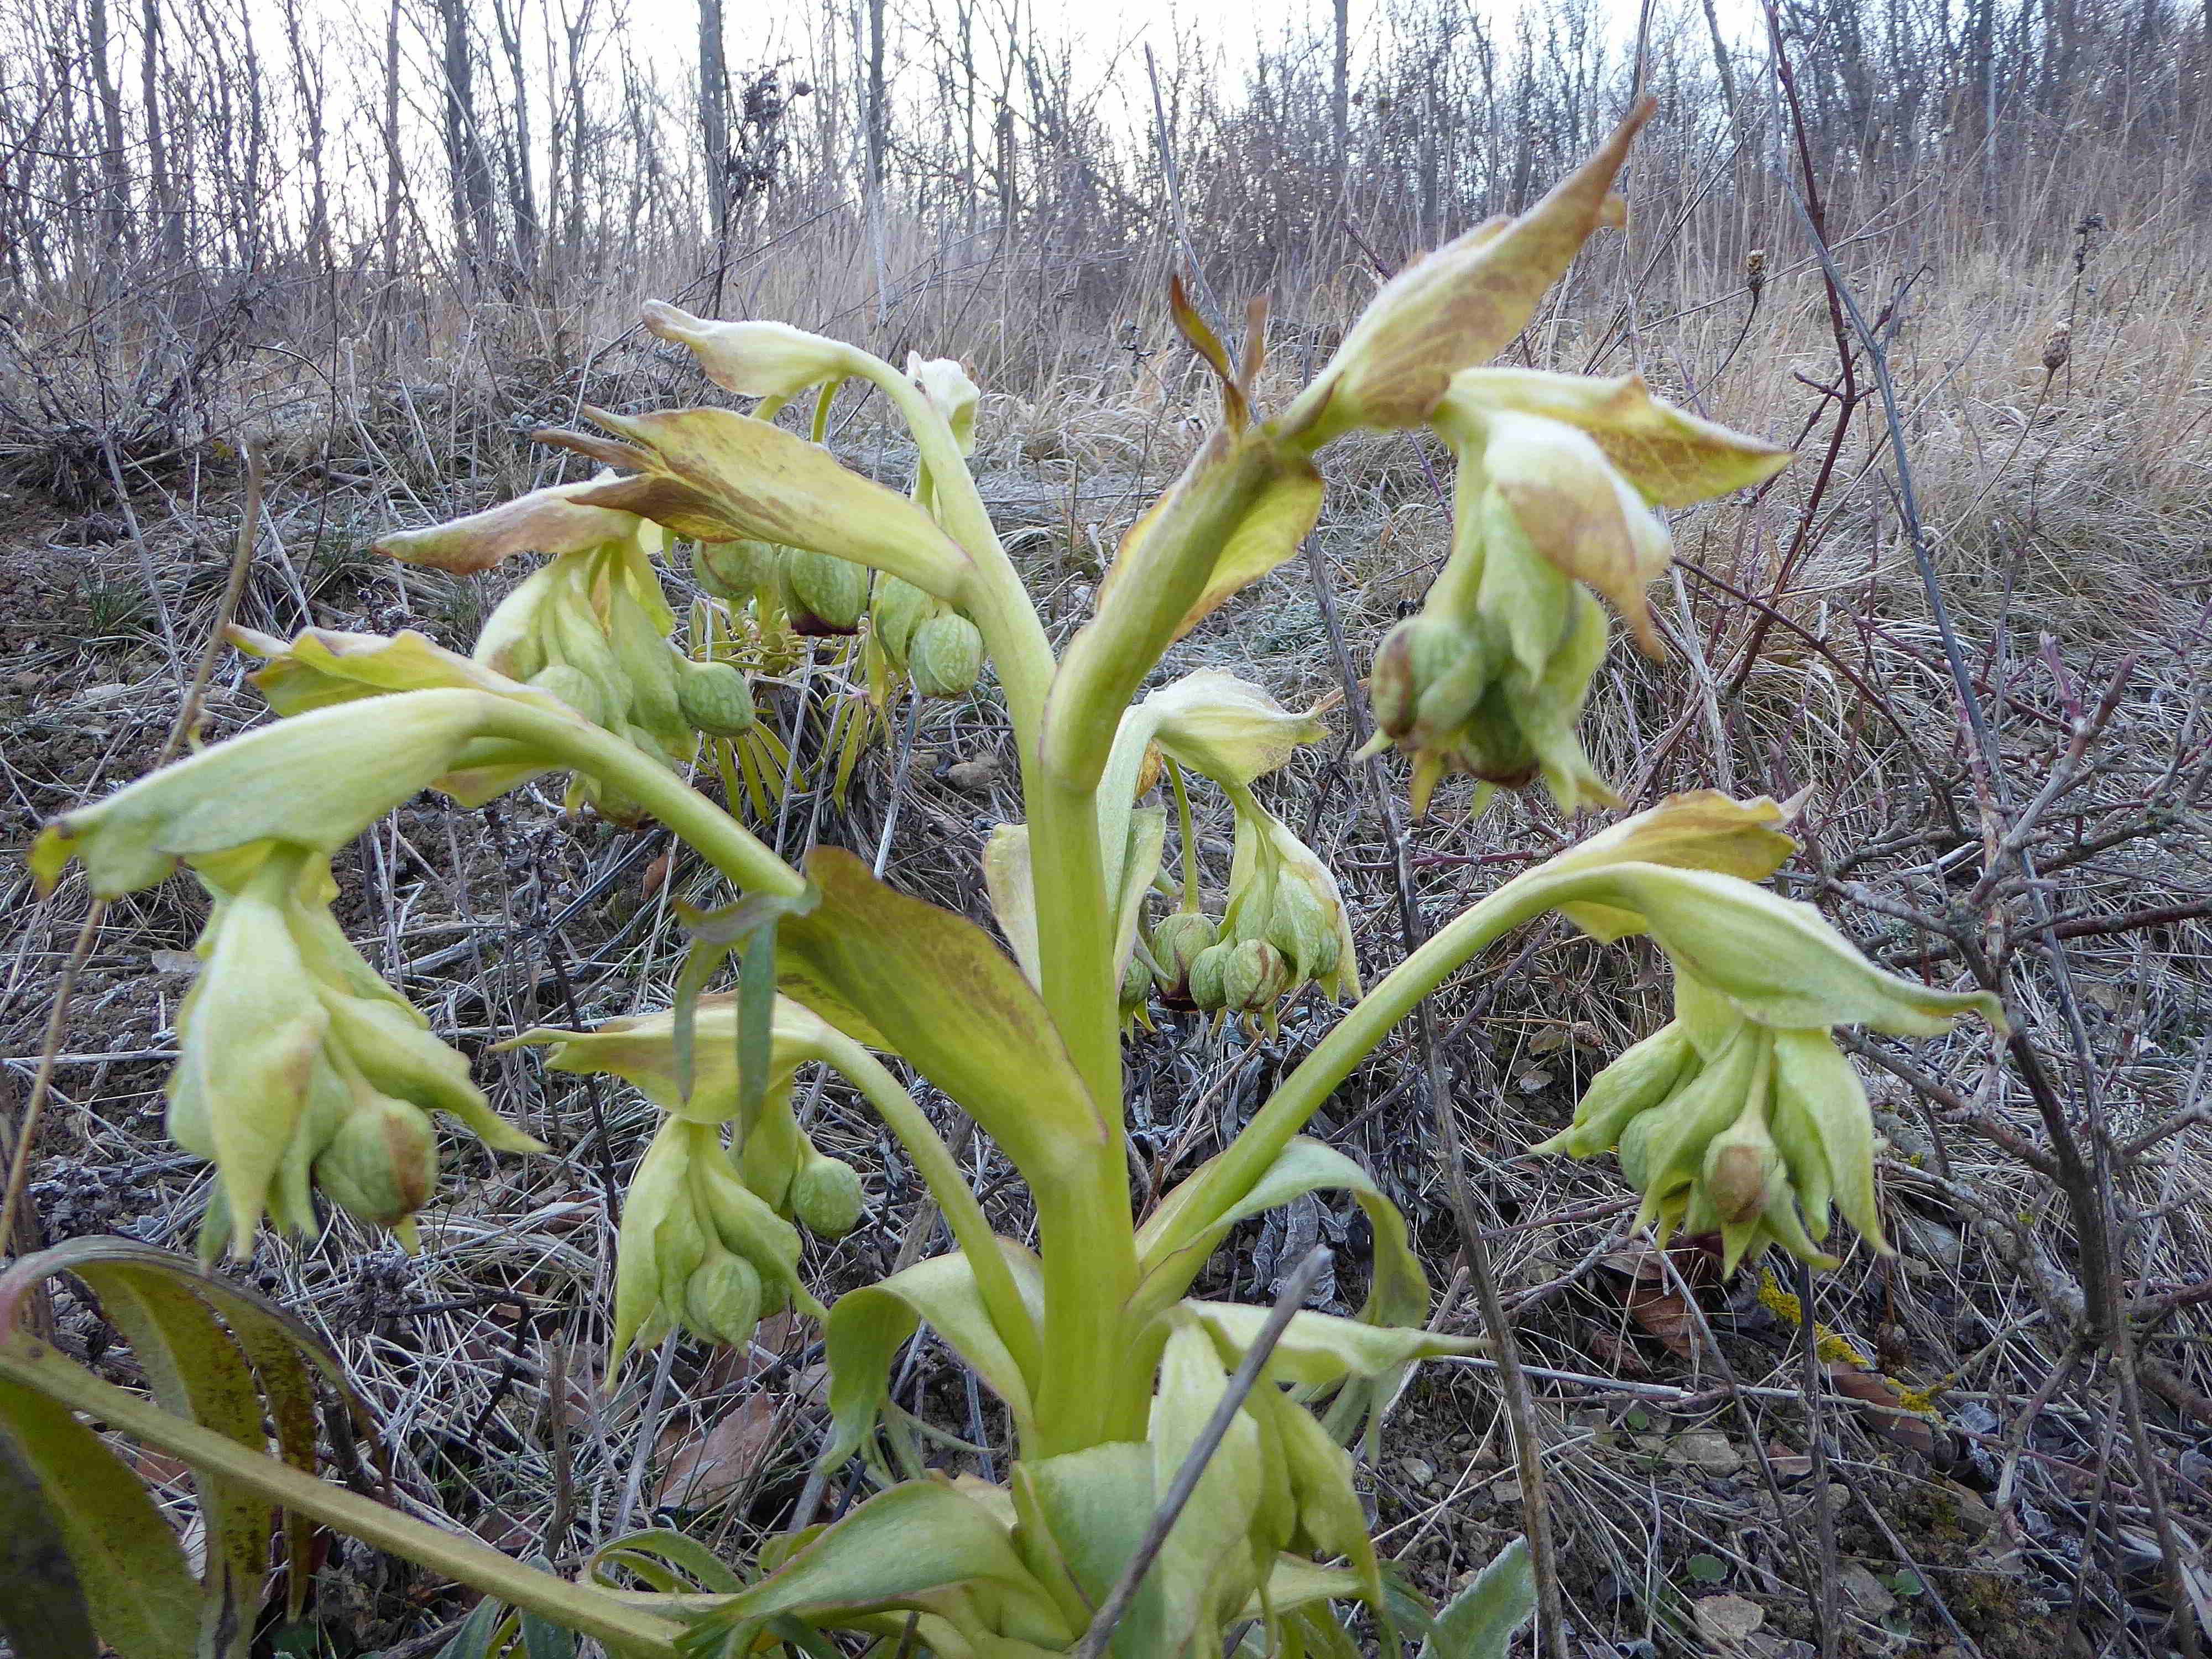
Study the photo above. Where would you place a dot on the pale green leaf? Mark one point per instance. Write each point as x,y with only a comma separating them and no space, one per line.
867,1326
1318,1348
926,1544
80,1537
1479,1621
898,973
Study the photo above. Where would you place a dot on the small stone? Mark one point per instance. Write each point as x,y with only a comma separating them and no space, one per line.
973,776
1418,1471
1728,1620
1865,1591
1706,1450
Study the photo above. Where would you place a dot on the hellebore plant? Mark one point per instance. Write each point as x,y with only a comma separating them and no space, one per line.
301,1072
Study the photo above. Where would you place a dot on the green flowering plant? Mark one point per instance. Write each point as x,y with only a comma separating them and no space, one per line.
1182,1480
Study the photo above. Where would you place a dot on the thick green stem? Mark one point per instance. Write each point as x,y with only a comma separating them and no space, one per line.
1093,1389
1088,1234
594,1613
713,832
941,1173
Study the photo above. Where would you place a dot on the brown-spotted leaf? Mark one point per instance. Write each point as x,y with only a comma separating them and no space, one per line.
719,475
551,520
901,974
83,1548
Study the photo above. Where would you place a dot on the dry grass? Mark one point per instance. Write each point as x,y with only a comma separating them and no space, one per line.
2067,511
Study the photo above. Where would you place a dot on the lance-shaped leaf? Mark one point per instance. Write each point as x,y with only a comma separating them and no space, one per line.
316,781
1778,961
1226,728
1328,1519
868,1325
1007,879
227,1358
1318,1349
552,521
756,359
1206,1570
1176,1243
1083,1514
1700,829
929,1545
1461,305
1672,458
320,667
1239,509
1479,1621
899,974
718,475
82,1546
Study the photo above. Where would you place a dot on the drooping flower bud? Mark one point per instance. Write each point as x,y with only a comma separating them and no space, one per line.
382,1163
944,656
1206,986
825,595
897,608
696,1247
1255,977
826,1197
1280,892
734,571
1134,994
722,1299
1176,943
298,1065
713,697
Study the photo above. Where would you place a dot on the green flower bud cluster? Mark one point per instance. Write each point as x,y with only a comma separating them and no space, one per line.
940,649
591,627
1176,944
1285,924
300,1069
698,1249
1559,477
778,1175
1731,1127
1490,678
794,1177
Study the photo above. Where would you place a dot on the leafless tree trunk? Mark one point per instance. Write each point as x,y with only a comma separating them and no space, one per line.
469,175
522,191
114,160
168,227
714,120
1339,103
877,121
